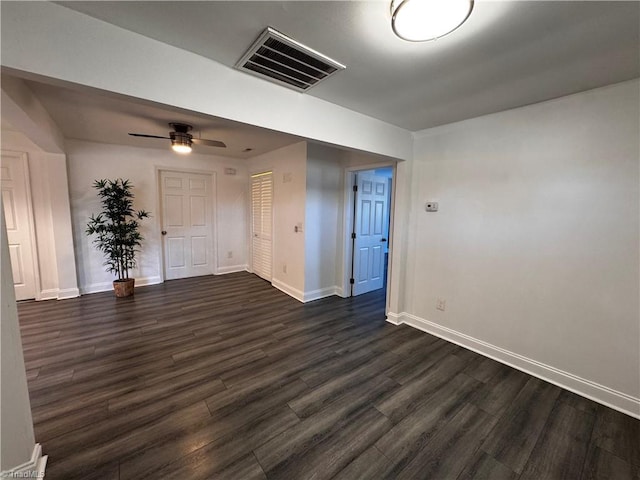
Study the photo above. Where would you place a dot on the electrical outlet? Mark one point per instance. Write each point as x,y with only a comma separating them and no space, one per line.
229,254
284,268
441,304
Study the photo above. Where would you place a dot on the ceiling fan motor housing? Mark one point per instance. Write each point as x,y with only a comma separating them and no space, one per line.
180,135
181,127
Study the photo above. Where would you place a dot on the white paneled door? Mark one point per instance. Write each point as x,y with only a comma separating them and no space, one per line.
187,227
16,200
261,224
371,213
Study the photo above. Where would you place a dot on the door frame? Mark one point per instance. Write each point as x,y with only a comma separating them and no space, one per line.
348,216
24,158
213,230
250,218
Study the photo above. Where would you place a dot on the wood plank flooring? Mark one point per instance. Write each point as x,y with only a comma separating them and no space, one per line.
227,378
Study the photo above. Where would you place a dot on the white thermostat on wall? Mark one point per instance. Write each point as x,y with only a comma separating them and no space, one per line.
431,206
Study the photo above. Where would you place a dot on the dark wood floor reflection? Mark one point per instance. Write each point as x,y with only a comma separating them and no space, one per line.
227,378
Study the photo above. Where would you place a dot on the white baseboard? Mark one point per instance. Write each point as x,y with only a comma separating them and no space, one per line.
144,281
289,290
394,318
34,468
58,294
107,286
599,393
96,288
65,293
305,297
232,269
49,294
321,293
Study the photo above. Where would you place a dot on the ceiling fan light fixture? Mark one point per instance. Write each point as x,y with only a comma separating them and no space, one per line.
181,142
181,139
181,148
424,20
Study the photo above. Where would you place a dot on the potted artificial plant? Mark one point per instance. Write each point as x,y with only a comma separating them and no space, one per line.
117,231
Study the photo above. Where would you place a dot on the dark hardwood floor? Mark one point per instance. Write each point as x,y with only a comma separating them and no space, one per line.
227,378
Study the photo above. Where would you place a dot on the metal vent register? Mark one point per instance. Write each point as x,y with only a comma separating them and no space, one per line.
280,59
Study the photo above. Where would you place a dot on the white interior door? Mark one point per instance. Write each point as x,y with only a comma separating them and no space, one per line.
16,199
186,204
371,212
261,224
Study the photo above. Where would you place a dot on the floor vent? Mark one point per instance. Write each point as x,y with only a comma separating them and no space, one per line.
278,58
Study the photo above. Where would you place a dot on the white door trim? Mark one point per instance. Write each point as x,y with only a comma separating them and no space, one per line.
214,225
347,247
30,221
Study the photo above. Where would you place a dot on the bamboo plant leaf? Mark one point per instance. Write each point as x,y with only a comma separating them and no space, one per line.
116,227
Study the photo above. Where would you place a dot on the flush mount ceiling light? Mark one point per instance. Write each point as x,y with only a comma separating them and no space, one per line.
423,20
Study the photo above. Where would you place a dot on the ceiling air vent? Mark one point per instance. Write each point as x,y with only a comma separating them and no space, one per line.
278,58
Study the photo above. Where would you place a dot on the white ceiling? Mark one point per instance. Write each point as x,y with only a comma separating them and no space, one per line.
108,118
508,54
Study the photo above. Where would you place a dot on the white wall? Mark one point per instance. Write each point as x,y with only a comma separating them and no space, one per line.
324,218
535,246
55,168
308,189
52,218
358,160
89,161
26,114
86,51
289,167
16,426
399,241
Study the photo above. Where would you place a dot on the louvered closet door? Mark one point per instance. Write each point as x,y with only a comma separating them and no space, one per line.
261,224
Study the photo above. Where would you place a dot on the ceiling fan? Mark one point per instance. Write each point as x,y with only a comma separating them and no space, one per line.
181,139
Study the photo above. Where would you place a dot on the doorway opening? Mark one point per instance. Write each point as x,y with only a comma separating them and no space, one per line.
368,221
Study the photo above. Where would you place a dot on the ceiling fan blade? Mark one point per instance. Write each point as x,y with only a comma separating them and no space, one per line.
209,143
148,136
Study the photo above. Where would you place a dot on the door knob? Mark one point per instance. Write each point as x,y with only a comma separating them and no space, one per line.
163,232
383,239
